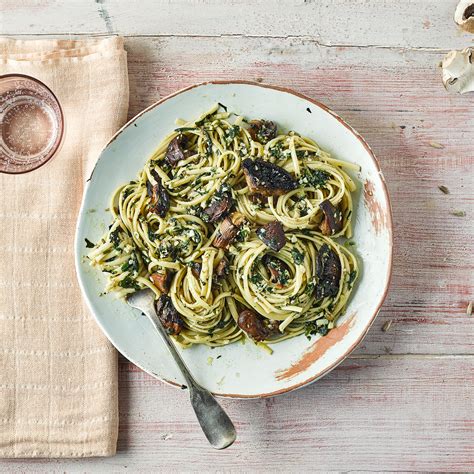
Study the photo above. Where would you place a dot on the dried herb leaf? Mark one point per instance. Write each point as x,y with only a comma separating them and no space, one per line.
387,325
443,189
89,244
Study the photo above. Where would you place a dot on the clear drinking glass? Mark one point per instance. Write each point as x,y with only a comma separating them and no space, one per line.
31,124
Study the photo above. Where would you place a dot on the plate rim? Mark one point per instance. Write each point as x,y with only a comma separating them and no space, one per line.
389,227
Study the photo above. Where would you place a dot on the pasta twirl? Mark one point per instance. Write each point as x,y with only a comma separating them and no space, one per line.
166,226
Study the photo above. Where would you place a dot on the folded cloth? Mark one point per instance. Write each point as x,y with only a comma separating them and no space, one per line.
58,384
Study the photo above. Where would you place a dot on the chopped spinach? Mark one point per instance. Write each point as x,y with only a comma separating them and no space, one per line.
256,278
311,328
208,144
185,129
132,264
127,193
151,235
128,282
309,290
298,257
352,277
89,244
115,237
316,178
221,324
277,152
231,133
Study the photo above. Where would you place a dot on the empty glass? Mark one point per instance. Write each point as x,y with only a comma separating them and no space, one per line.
31,124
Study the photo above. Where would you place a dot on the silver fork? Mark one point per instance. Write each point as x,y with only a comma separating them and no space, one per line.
214,421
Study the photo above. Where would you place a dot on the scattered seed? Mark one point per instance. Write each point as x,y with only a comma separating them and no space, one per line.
443,189
437,145
259,79
469,309
387,325
459,213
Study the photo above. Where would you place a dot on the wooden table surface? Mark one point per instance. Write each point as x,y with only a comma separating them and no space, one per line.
404,400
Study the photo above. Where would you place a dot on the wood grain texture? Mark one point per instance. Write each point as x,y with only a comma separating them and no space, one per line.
387,413
403,401
404,23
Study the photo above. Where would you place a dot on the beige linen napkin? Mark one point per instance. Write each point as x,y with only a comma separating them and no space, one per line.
58,373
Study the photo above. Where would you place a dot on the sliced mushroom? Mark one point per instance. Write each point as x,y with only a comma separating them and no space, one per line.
162,280
279,270
228,230
196,268
169,317
160,199
222,270
464,15
332,223
263,130
328,270
267,178
255,326
458,71
176,150
220,205
272,235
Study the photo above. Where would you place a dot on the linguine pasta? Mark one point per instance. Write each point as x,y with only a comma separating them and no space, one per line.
169,224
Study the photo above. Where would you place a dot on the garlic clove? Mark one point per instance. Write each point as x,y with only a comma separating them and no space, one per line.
458,71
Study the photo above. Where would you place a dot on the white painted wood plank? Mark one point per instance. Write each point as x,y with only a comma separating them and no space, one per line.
396,100
380,414
405,23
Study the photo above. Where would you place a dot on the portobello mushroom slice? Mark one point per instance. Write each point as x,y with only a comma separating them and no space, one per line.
176,150
279,270
263,130
169,317
196,268
228,230
255,326
222,270
272,235
332,223
162,280
220,205
328,270
266,178
160,199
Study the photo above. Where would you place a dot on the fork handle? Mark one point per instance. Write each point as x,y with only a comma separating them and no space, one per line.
214,421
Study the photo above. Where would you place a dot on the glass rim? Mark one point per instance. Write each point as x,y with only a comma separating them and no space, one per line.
59,142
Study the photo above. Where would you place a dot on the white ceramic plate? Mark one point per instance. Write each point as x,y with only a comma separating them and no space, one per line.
240,370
